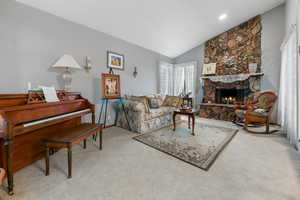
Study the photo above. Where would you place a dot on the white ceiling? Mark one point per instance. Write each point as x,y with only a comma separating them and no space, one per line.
169,27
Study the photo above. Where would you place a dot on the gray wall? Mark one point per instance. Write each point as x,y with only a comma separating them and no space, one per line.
273,23
32,40
273,33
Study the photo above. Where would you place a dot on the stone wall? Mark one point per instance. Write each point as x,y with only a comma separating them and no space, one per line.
233,51
236,48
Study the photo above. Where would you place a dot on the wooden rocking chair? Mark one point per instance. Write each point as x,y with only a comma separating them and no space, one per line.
259,112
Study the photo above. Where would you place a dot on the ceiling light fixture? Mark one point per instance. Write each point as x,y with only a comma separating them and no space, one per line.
222,17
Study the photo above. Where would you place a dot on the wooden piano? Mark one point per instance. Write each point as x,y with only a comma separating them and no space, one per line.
25,125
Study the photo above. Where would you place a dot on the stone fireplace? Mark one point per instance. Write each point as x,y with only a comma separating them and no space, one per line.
220,98
233,52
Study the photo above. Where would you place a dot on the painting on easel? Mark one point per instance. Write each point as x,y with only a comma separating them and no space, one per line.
111,86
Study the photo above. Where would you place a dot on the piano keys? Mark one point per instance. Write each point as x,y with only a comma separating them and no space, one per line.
25,125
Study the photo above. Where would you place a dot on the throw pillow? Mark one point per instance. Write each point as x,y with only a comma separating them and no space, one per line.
153,102
172,101
141,99
159,99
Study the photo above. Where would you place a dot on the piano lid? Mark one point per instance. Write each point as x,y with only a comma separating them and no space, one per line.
19,112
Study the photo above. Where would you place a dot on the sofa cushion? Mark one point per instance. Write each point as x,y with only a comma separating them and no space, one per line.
163,110
172,101
158,97
135,106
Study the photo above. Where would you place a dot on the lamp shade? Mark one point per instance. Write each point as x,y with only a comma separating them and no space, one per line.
66,61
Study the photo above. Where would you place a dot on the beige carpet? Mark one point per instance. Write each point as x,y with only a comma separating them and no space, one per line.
250,168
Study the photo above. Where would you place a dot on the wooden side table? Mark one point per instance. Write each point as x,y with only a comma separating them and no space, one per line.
190,114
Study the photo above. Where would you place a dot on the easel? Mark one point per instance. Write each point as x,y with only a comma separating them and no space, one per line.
105,101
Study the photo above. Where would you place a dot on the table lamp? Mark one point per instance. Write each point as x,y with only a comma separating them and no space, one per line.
67,63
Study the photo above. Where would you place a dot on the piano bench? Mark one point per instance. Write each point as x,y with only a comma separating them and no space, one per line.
70,137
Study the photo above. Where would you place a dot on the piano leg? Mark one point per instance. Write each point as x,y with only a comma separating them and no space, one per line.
99,121
70,162
47,159
84,144
10,173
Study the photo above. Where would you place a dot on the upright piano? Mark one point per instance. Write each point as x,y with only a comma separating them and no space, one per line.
23,126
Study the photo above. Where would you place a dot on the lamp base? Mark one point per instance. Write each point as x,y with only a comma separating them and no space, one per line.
67,77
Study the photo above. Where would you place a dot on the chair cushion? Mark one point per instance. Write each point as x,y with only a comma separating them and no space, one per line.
258,115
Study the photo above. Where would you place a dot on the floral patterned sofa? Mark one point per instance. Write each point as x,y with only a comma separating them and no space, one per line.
142,118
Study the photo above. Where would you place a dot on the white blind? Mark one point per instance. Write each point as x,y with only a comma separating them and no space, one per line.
185,78
178,80
165,78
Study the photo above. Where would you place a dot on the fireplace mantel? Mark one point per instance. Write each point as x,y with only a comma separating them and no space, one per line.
232,78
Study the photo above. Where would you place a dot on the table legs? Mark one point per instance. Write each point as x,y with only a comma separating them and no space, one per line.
174,121
189,122
193,124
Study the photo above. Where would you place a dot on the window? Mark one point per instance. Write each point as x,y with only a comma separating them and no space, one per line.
177,79
166,78
184,78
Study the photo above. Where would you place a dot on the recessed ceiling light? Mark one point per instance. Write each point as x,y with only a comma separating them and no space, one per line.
222,17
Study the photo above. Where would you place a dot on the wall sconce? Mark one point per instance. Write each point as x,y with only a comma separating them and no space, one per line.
88,65
135,73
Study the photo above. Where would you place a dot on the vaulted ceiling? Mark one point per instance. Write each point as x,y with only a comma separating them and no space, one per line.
169,27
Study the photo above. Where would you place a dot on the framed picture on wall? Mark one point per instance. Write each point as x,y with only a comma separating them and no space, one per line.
111,86
115,60
209,69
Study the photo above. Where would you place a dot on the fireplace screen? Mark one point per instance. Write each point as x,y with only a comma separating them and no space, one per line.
229,96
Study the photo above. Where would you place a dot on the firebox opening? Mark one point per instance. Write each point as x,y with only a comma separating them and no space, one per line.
230,96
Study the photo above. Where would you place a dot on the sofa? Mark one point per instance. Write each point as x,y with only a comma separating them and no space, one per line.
143,117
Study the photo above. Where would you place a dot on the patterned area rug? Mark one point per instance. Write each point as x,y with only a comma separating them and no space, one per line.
200,150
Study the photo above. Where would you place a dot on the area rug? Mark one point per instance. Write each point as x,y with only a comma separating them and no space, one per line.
200,150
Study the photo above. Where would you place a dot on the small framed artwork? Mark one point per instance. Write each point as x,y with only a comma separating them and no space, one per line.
209,69
115,60
111,86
